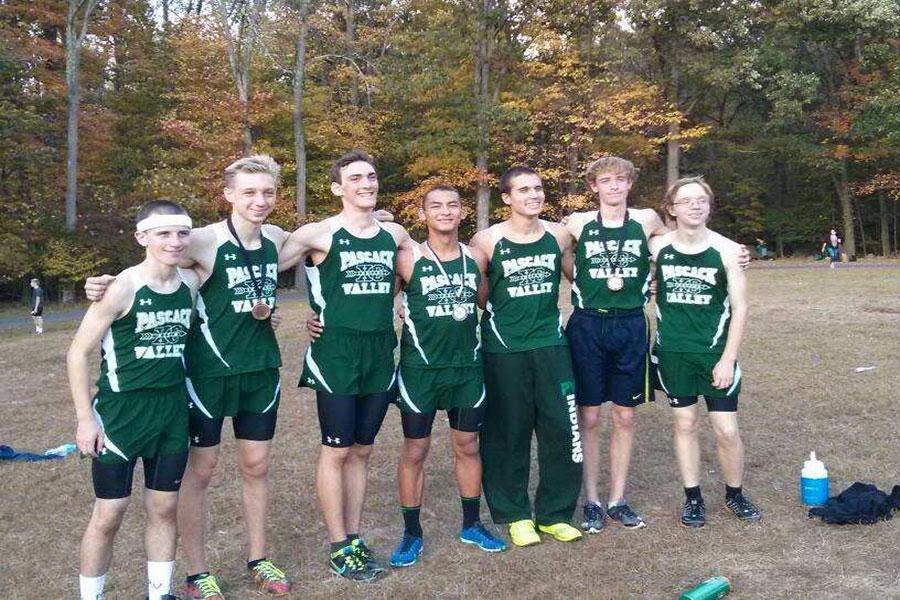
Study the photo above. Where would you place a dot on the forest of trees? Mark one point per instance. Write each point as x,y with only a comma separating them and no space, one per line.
790,109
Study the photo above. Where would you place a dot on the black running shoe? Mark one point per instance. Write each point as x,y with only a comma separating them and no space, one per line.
743,509
693,514
594,518
626,517
348,564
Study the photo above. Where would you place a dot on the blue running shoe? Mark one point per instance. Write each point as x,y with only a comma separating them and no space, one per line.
407,551
478,535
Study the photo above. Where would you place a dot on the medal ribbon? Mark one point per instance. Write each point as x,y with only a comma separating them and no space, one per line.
614,262
257,284
462,257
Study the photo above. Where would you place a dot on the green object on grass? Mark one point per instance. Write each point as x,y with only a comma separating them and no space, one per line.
711,589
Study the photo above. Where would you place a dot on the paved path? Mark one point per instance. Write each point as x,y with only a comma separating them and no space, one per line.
52,316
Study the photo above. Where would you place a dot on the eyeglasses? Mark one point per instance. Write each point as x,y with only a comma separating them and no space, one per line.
698,201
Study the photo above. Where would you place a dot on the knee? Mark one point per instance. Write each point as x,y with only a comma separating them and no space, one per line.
107,521
333,457
361,453
623,420
466,447
202,469
255,467
415,451
728,435
686,426
589,419
163,511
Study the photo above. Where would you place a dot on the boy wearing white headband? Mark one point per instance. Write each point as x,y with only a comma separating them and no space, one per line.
140,408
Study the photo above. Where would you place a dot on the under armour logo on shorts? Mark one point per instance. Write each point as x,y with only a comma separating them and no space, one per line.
332,440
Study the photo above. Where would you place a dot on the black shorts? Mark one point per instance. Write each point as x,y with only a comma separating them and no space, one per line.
713,403
345,420
207,432
38,312
161,473
417,426
609,356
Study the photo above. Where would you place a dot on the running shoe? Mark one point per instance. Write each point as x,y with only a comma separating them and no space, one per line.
407,551
522,533
622,514
478,535
743,509
203,588
561,532
594,518
372,562
269,578
350,565
693,513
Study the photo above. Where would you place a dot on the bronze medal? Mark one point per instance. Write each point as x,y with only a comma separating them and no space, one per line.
615,283
261,311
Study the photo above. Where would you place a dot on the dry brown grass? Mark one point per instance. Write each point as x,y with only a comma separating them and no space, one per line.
809,328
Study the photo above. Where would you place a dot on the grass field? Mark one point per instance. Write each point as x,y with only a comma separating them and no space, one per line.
809,328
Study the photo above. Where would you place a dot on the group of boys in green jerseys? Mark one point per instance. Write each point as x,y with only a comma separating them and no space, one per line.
513,270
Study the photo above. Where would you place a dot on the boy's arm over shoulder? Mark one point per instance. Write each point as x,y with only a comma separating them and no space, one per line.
305,239
401,236
651,222
657,243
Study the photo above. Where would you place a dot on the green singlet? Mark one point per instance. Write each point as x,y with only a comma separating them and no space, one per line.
597,258
432,337
143,348
523,310
226,339
353,287
692,306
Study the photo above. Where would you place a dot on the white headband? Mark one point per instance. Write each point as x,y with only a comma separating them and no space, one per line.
154,221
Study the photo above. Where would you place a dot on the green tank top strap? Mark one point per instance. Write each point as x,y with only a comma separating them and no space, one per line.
522,312
143,349
612,266
693,309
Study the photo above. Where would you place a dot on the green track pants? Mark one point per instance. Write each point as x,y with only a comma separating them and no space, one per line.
531,392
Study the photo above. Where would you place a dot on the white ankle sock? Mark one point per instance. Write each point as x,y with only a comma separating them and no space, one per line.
91,587
159,578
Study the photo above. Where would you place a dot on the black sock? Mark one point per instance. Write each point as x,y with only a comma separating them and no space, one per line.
351,537
731,492
411,524
471,510
693,493
253,563
196,576
335,546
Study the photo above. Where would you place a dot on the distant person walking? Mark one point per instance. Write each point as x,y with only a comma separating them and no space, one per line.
37,306
831,248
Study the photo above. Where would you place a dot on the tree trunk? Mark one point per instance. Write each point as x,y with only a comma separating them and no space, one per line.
350,32
572,157
297,114
483,56
78,16
240,57
862,228
884,228
673,143
843,191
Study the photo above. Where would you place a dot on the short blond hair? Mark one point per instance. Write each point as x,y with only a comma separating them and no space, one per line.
609,164
669,199
258,163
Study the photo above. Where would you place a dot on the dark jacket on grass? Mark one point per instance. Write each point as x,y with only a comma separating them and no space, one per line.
860,503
